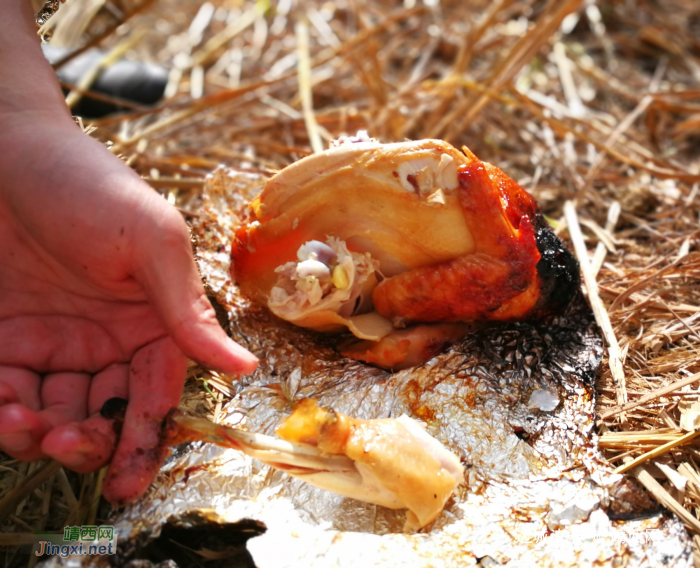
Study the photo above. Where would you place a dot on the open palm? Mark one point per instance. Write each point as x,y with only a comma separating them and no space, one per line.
99,298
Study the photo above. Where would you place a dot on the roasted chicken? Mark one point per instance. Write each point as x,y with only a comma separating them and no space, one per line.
371,238
394,463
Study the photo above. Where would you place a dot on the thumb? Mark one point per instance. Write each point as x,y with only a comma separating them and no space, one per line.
164,266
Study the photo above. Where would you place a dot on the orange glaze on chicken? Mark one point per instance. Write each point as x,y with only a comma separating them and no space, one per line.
497,281
455,240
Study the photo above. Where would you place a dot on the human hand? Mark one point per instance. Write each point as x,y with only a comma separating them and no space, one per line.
99,296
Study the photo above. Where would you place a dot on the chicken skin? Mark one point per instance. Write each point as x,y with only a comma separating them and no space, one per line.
371,238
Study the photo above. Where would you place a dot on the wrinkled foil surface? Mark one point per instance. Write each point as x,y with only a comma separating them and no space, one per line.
515,402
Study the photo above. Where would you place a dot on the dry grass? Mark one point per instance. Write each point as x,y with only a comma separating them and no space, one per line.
593,103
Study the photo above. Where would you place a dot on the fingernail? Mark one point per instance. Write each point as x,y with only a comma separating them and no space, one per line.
71,460
247,361
74,436
18,441
72,447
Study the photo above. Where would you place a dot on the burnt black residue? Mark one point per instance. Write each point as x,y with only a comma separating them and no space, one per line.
558,270
637,516
115,409
193,539
551,352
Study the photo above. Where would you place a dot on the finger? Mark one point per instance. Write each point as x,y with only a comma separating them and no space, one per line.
21,432
89,445
8,394
82,447
166,270
63,399
19,385
155,385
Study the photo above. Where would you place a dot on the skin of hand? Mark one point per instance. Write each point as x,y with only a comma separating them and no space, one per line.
99,294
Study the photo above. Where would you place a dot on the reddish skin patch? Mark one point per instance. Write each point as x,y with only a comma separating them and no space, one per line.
258,262
517,203
497,281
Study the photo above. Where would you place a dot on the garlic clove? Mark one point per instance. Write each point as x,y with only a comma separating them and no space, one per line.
313,268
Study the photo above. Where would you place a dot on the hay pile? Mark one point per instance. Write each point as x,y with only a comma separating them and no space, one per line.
593,107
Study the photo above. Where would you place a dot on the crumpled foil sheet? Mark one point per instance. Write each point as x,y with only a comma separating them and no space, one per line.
515,402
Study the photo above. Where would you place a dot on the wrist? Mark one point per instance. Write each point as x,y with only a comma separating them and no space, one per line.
28,82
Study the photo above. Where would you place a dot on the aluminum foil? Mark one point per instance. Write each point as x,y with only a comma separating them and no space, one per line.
515,402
